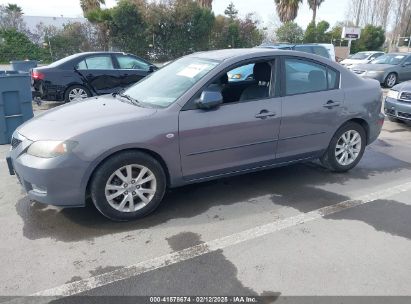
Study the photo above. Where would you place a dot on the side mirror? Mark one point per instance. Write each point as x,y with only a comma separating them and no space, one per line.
209,100
152,68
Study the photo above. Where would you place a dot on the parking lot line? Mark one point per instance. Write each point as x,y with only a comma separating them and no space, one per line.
213,245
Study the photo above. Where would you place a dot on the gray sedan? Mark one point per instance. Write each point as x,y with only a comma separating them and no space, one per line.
388,69
188,123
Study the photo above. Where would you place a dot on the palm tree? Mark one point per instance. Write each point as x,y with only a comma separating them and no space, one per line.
14,8
287,9
90,5
314,5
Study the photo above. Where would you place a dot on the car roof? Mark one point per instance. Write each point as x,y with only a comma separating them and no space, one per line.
224,54
250,53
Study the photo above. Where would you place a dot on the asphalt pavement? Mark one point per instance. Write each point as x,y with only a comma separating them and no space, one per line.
292,231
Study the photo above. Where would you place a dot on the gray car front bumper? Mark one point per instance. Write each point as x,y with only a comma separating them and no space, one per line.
55,181
398,109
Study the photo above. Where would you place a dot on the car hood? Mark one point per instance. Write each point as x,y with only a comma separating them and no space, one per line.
403,86
75,118
374,67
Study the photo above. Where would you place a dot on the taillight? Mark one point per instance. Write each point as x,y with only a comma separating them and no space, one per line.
37,75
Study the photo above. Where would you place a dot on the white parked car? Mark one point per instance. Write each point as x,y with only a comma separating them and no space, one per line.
331,50
360,58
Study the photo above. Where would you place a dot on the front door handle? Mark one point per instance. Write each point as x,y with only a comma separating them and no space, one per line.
331,104
265,114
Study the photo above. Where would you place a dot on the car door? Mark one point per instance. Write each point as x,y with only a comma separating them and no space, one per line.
236,136
311,108
99,73
131,69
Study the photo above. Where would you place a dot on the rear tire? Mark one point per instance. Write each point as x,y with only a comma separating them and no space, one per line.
346,148
128,185
76,92
391,80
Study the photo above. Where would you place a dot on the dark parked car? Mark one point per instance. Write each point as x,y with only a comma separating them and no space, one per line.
88,74
398,103
187,123
311,48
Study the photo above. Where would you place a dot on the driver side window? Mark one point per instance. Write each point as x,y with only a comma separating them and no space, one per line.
251,81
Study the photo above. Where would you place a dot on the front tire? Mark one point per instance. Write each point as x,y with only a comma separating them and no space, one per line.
346,148
128,186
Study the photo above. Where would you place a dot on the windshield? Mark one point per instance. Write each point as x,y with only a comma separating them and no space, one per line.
166,85
360,56
389,59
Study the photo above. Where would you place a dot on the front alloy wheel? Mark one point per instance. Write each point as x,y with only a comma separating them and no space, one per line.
130,188
128,185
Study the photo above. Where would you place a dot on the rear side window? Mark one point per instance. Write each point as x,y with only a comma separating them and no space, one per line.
129,62
96,63
304,76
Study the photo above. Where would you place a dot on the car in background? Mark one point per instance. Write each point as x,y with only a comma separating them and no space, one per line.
88,74
331,50
361,58
397,104
316,49
388,69
187,123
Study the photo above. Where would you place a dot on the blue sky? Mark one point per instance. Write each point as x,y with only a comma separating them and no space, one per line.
330,10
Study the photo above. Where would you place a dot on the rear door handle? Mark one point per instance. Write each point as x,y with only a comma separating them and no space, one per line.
332,104
265,114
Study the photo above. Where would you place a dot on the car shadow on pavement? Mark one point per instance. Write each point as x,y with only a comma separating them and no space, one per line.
295,186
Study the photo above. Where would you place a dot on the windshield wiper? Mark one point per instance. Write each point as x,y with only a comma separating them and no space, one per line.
129,98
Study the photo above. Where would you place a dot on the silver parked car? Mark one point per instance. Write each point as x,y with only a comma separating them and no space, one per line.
188,123
388,69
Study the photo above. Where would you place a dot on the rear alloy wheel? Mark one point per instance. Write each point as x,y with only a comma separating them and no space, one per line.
128,186
346,148
391,80
75,93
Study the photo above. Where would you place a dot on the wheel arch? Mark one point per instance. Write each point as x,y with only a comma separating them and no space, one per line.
363,123
152,153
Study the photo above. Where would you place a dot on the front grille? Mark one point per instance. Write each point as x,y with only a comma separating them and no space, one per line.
15,142
404,115
406,96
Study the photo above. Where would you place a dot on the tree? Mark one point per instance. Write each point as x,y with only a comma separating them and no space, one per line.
314,5
11,17
17,46
205,3
231,11
290,32
287,9
372,38
90,5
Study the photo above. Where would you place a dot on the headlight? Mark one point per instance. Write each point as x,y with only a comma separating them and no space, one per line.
393,94
50,149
